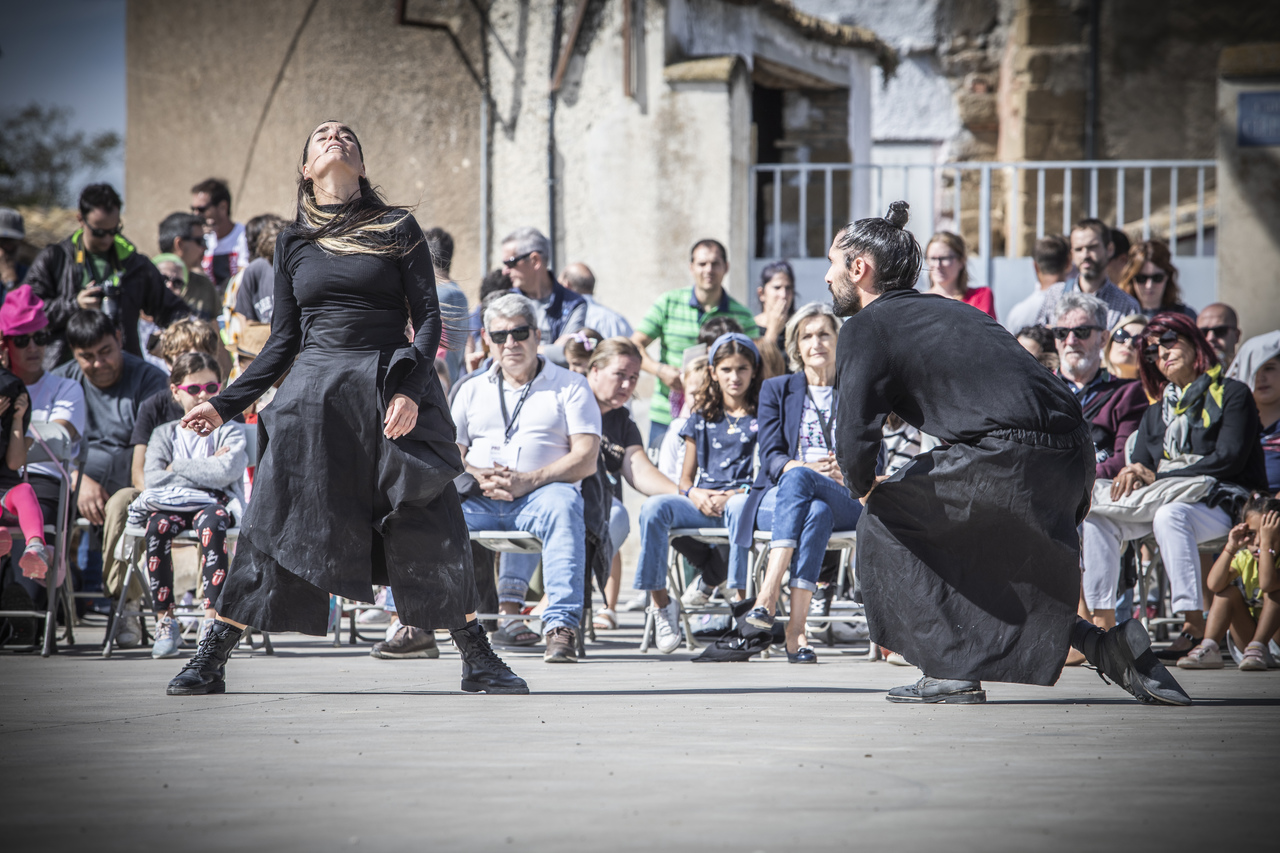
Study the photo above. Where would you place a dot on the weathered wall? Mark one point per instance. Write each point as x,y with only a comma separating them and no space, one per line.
194,102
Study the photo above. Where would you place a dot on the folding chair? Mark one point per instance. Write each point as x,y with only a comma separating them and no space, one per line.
676,583
1152,576
131,551
53,445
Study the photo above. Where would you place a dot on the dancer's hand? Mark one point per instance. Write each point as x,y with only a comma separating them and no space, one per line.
202,420
402,417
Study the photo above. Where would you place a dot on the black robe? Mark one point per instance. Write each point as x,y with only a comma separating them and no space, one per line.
336,506
969,558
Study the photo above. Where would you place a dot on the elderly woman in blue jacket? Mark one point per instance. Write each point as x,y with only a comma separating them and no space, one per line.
799,494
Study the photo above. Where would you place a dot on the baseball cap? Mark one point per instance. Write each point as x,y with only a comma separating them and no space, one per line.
11,225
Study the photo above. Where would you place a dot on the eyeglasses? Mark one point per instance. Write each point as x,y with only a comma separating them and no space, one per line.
520,333
1082,333
209,387
174,280
1217,331
1123,336
104,232
1167,340
23,341
510,263
199,240
1154,278
944,259
199,209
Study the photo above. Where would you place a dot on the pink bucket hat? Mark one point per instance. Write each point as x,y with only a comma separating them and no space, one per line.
22,312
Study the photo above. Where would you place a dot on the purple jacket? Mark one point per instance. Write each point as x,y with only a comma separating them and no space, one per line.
1113,407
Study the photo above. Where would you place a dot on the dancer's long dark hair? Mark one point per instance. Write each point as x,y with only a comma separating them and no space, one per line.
893,250
365,225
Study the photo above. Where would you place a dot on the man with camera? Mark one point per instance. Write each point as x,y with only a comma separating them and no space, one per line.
97,268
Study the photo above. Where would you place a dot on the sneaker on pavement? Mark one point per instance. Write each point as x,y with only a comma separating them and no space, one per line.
696,594
1203,656
129,634
562,646
940,691
168,638
407,642
1254,659
666,626
635,605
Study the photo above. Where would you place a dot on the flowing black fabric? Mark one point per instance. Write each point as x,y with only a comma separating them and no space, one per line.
336,506
968,557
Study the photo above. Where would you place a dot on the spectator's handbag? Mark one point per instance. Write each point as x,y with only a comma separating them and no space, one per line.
1141,504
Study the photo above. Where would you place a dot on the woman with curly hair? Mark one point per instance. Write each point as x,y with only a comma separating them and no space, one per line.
1151,278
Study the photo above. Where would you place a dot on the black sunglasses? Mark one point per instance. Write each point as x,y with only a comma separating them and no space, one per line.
1167,339
1123,336
189,239
175,280
199,210
520,333
1082,333
23,341
1154,278
211,387
1217,331
104,232
510,263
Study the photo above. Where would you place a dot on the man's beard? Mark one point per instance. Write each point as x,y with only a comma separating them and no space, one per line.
846,299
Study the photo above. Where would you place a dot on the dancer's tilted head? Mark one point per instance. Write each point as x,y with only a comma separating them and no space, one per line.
872,256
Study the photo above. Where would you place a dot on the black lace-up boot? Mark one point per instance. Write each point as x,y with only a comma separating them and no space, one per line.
482,670
206,670
1123,655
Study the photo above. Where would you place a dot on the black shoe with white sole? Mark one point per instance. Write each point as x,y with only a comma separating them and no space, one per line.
1123,654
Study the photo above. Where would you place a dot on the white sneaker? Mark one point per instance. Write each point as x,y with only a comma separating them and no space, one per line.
1203,656
694,596
129,634
666,622
851,632
640,602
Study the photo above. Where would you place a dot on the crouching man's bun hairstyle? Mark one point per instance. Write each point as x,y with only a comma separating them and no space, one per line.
894,252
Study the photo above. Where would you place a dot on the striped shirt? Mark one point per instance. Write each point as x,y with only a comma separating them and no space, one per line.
674,321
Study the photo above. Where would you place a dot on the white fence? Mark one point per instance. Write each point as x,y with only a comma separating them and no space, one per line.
1000,208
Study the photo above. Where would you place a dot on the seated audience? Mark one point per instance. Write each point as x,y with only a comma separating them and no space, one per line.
1200,418
1113,407
1092,250
251,293
182,240
193,482
226,243
53,399
527,450
1120,246
1258,366
1038,341
494,284
453,302
1051,259
612,373
777,295
720,442
1220,326
13,231
949,274
579,347
671,452
1152,279
675,321
526,262
606,321
98,269
799,494
1124,347
1246,592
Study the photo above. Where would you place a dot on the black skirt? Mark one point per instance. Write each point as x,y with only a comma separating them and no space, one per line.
337,507
969,556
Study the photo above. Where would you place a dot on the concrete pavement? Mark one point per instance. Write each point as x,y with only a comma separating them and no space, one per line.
320,748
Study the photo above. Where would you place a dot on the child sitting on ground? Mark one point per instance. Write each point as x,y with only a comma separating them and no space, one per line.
192,481
1246,590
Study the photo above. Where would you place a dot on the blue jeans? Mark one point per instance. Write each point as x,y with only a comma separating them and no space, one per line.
553,513
801,513
660,514
740,558
619,526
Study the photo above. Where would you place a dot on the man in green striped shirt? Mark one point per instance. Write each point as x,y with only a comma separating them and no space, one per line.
675,319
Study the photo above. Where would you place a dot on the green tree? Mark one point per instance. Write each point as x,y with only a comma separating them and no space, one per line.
39,155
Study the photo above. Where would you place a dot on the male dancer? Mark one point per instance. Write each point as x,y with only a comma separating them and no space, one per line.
969,556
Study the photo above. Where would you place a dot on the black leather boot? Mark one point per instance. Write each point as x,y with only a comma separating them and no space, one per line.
1123,654
482,670
205,672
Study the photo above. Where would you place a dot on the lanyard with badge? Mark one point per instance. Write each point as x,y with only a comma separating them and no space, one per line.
823,421
510,421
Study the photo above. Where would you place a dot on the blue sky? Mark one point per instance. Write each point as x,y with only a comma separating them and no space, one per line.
67,53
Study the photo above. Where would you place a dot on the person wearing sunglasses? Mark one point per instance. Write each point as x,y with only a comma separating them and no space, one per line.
1124,347
226,241
1202,423
561,312
1152,279
1221,327
97,268
192,482
54,399
355,486
1091,253
181,242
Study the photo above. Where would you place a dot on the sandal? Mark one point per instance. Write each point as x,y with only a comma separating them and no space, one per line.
1185,642
514,634
606,619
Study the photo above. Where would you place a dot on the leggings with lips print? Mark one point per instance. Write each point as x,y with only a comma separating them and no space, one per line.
211,525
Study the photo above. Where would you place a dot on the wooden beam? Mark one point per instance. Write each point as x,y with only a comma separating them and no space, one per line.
563,64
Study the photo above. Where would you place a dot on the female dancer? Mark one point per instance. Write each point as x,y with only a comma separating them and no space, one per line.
355,480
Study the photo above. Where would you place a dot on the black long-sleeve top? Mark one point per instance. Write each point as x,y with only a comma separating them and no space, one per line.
311,284
1231,447
944,367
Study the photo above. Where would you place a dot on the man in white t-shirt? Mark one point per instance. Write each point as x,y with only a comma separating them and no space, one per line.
1051,258
529,432
226,249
